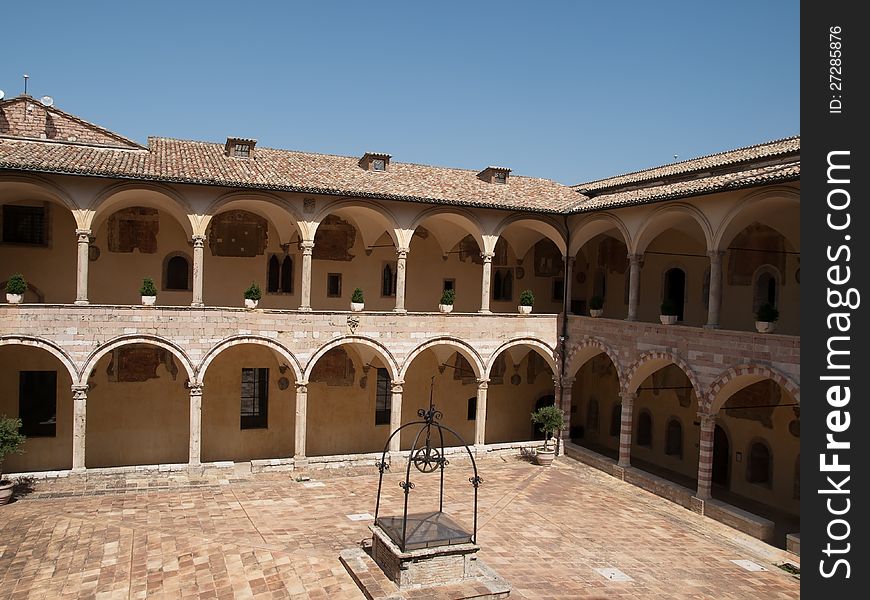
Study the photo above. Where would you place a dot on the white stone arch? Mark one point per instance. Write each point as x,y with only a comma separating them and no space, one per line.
466,350
760,206
50,347
650,362
370,218
239,340
126,340
734,379
275,209
457,217
595,224
54,191
379,350
588,348
541,225
542,348
666,217
151,195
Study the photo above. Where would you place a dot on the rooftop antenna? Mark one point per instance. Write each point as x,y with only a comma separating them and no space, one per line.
26,77
675,157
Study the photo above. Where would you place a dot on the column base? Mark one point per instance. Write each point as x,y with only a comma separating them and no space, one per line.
304,309
197,304
632,319
484,312
711,326
81,303
300,462
400,310
624,464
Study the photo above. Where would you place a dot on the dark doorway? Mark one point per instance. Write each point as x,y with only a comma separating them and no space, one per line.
675,289
541,403
721,457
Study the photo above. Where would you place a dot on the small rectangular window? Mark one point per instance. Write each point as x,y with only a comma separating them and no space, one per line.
333,285
378,164
472,409
37,403
500,177
255,398
449,284
242,150
558,290
502,284
24,224
388,279
383,402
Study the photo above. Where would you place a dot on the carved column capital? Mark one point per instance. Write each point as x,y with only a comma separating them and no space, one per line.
83,236
195,389
569,260
402,253
715,255
307,247
198,241
397,387
487,256
628,397
707,421
635,259
482,384
301,387
80,392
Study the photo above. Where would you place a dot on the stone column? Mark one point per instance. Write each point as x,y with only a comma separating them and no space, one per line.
480,414
715,298
569,276
307,249
195,450
625,429
485,282
634,261
395,414
198,245
566,386
705,456
84,240
301,419
401,255
80,402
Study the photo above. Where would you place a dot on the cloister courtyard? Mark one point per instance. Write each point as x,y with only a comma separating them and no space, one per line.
227,533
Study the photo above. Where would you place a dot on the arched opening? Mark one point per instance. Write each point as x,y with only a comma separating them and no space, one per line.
176,273
759,466
248,405
548,400
665,424
644,429
765,288
349,401
721,457
528,255
525,379
596,392
37,239
601,270
447,375
138,410
36,387
674,438
674,290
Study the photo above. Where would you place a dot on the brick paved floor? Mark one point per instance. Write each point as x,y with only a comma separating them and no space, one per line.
269,536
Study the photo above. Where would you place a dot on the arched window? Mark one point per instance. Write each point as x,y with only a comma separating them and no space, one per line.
592,415
644,429
287,275
388,280
273,277
675,289
177,274
674,439
615,419
765,288
472,408
502,284
759,467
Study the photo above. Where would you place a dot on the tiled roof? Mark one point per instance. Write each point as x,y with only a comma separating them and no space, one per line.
183,161
782,172
758,152
205,163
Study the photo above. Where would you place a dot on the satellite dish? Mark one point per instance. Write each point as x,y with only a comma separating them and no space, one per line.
2,94
47,100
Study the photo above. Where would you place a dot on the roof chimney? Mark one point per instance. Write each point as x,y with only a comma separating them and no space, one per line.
375,161
494,174
239,147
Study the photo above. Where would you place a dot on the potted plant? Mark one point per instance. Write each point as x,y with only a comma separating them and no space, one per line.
668,315
596,306
766,317
253,295
549,419
357,303
527,299
447,298
148,291
15,288
11,441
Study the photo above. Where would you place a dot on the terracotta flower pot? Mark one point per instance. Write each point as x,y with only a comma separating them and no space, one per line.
5,491
545,457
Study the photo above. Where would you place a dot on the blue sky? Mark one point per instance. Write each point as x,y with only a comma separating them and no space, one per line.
571,91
